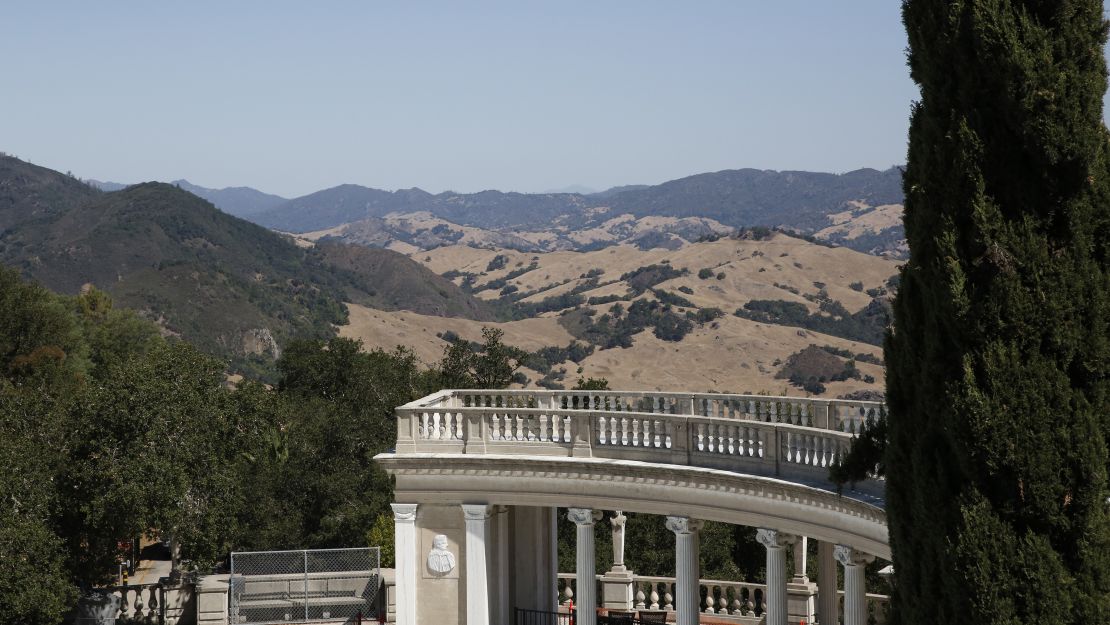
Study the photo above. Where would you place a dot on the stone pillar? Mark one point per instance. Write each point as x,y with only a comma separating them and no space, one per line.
212,600
502,578
687,568
407,561
534,560
616,583
801,594
585,577
828,600
855,584
477,521
775,542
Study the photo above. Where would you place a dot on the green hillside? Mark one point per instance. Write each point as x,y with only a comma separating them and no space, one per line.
229,286
30,192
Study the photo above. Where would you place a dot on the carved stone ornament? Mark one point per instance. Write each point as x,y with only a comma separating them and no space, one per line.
684,525
850,557
405,512
440,560
773,538
583,516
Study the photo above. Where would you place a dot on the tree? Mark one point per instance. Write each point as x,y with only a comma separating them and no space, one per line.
995,448
495,365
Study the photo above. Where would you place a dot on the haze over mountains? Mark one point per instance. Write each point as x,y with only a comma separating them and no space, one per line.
692,207
732,274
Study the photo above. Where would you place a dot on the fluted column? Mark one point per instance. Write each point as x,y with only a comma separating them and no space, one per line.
687,569
776,543
827,596
503,578
584,574
477,570
404,549
855,584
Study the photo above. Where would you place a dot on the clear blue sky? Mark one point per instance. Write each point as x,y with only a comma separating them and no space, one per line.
292,97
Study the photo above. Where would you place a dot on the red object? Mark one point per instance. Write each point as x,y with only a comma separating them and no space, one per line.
570,608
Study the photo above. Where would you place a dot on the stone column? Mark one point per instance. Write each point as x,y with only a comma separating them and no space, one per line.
534,559
801,594
775,542
404,548
687,568
585,577
828,600
477,517
616,583
855,584
502,576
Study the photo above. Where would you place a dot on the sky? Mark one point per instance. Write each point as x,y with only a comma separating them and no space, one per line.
293,97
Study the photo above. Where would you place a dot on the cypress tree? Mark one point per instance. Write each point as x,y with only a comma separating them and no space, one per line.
998,361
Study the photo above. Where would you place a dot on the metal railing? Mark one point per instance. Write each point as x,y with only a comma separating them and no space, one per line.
303,586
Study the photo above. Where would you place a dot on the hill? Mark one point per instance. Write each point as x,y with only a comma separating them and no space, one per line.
231,287
238,201
830,206
728,314
29,192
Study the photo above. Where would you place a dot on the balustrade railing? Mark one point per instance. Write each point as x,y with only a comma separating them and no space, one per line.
719,597
772,435
140,604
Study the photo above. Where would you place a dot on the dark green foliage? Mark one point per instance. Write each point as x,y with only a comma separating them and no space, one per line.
856,286
867,325
498,262
591,384
705,273
609,331
670,299
545,358
813,366
685,289
996,443
642,279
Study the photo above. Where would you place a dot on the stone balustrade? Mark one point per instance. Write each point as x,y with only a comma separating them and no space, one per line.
775,436
140,603
741,602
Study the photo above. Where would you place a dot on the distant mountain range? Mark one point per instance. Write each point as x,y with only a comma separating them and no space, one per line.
237,201
229,286
805,202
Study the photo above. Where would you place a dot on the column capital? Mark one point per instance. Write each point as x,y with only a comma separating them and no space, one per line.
848,556
583,516
771,538
684,525
476,511
404,512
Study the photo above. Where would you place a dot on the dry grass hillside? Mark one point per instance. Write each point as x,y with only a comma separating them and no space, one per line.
751,270
728,353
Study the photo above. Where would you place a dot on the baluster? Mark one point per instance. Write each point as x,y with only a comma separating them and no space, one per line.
658,434
707,603
568,594
495,427
635,432
519,421
124,604
761,437
668,600
614,431
458,426
722,435
654,597
138,605
791,446
566,429
737,607
722,603
556,430
749,608
701,437
424,426
436,431
733,432
773,412
601,438
640,603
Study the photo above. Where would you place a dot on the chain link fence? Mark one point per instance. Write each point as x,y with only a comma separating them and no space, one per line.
333,585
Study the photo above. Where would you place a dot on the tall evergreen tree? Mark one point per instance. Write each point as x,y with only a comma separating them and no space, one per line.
998,363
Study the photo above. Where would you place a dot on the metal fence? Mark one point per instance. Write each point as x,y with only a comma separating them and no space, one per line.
333,585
